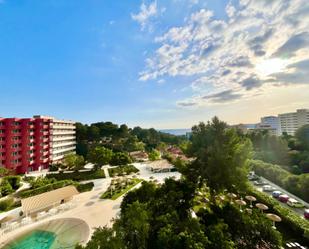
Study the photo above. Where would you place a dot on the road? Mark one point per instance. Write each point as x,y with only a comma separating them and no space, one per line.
299,211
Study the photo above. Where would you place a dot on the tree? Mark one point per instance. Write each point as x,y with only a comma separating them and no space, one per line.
154,155
73,162
120,158
221,156
94,133
100,155
104,238
302,135
135,221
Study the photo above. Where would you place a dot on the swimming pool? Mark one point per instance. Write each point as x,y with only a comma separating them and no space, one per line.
35,240
55,234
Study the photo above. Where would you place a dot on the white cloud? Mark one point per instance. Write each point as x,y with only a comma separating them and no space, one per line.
222,54
145,14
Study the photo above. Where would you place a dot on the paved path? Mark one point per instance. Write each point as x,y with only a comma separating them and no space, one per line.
106,172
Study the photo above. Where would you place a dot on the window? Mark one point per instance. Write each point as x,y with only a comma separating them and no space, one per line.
1,131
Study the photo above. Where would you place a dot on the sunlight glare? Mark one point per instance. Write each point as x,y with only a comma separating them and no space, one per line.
270,66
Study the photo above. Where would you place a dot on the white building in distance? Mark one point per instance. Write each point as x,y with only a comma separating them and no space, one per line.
290,122
273,122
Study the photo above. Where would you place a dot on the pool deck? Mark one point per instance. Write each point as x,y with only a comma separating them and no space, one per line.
90,208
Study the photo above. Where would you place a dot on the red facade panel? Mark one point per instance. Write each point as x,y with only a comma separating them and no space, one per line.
25,143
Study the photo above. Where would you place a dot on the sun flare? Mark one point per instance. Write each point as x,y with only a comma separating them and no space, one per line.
270,66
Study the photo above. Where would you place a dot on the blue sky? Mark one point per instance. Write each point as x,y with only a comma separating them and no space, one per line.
152,63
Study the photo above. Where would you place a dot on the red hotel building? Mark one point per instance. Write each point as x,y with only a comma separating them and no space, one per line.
27,144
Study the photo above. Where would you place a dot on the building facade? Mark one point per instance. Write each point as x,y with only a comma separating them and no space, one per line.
273,122
267,127
290,122
29,144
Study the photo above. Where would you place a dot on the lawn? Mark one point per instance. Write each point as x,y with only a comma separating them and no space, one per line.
120,191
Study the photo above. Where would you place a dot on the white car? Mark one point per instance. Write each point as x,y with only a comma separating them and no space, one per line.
294,203
268,188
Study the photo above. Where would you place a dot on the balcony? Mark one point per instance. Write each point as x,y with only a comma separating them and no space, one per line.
63,132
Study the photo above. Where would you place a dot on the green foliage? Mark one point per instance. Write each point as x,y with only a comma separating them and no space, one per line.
40,182
46,188
155,216
6,204
5,188
297,225
73,161
122,170
296,184
136,218
54,167
4,171
78,176
221,156
302,135
116,190
84,187
154,155
100,156
104,238
120,158
14,181
272,149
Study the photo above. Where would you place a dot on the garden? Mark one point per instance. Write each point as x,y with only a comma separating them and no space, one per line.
120,186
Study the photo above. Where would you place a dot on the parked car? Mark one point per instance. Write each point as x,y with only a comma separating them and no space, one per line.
295,203
283,198
252,176
259,182
268,188
306,214
276,194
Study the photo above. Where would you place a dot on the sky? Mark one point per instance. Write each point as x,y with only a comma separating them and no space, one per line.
157,63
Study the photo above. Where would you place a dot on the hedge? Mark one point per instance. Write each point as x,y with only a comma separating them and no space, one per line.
121,169
83,187
6,204
291,220
78,176
46,188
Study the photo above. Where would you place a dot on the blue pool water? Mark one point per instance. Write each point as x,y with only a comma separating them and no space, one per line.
35,240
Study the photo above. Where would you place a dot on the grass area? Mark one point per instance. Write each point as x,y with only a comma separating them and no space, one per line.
122,170
120,191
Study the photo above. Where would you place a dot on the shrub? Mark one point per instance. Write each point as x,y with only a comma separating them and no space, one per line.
54,167
78,176
5,188
46,188
14,181
121,169
6,204
83,187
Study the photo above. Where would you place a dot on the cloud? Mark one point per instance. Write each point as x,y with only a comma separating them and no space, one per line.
220,56
298,74
145,14
251,82
293,44
224,96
